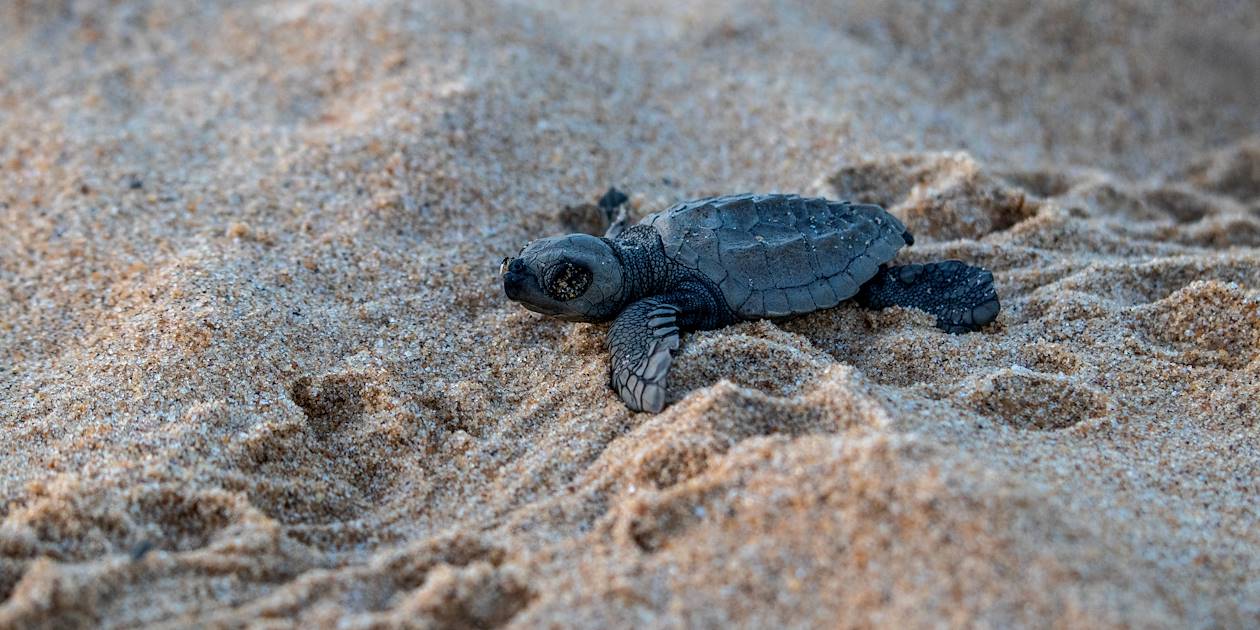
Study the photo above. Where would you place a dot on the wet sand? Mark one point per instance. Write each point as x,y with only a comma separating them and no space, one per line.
256,368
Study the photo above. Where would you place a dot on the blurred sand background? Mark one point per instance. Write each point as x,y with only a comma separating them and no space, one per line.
256,367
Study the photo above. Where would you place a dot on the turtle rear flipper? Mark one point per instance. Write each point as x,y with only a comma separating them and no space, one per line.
960,296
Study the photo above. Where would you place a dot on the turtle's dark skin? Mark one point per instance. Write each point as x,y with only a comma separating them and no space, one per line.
712,262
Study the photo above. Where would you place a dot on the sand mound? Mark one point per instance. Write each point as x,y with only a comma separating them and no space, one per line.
886,526
944,196
256,367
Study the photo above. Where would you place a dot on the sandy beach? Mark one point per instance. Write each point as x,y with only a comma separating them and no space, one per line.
257,368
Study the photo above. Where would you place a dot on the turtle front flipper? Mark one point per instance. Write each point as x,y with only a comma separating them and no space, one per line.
641,342
960,296
613,203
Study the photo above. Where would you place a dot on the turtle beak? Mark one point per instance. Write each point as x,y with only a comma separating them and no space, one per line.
515,276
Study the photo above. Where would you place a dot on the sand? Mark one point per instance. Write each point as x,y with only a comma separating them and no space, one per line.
256,368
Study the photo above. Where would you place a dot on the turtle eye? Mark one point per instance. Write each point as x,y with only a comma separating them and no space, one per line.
567,280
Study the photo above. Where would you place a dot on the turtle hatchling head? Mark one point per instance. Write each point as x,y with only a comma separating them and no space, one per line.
576,278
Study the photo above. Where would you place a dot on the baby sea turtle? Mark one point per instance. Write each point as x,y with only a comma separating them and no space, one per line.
715,261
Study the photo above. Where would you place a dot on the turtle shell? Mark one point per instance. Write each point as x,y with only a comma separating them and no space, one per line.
776,255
